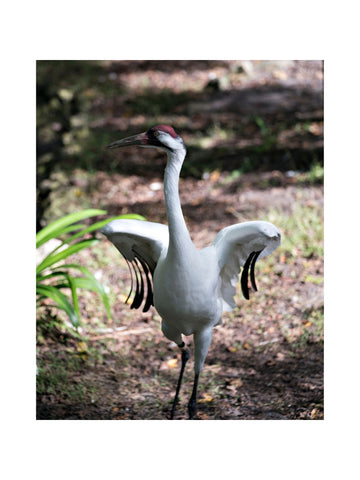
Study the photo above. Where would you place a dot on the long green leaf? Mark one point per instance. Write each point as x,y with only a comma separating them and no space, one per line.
84,283
56,227
61,301
53,259
60,232
40,278
75,266
102,223
90,283
71,284
75,299
87,284
60,227
61,270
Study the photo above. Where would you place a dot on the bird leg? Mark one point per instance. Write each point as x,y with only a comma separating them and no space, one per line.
184,358
192,401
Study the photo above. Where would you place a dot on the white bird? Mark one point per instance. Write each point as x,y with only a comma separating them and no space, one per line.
189,288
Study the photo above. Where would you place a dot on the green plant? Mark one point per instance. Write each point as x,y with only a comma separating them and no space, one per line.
53,275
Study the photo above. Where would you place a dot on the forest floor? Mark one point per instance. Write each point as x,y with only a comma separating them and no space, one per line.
265,361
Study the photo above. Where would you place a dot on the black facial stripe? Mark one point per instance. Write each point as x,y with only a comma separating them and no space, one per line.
153,139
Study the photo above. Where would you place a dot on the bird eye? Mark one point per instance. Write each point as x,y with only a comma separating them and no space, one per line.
156,133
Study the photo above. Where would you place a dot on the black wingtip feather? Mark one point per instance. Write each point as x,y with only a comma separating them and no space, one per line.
138,283
149,294
132,279
245,277
252,270
250,262
139,294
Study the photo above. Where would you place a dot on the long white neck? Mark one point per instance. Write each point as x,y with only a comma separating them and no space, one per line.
178,232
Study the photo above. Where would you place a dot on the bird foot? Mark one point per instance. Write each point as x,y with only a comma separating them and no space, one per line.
192,409
192,401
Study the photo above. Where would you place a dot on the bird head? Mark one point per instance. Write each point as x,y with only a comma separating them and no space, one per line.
159,136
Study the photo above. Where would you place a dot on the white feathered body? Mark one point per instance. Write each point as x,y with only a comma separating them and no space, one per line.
185,289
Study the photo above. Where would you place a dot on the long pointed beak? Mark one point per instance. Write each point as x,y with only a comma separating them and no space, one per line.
140,139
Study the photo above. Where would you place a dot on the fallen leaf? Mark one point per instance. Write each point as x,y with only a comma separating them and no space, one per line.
237,382
206,398
232,389
82,350
202,416
214,176
316,414
172,363
169,364
123,299
315,129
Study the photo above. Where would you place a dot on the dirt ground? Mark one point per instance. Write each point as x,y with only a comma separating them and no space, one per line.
266,360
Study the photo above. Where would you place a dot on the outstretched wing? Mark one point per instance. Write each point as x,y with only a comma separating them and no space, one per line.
141,244
241,245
